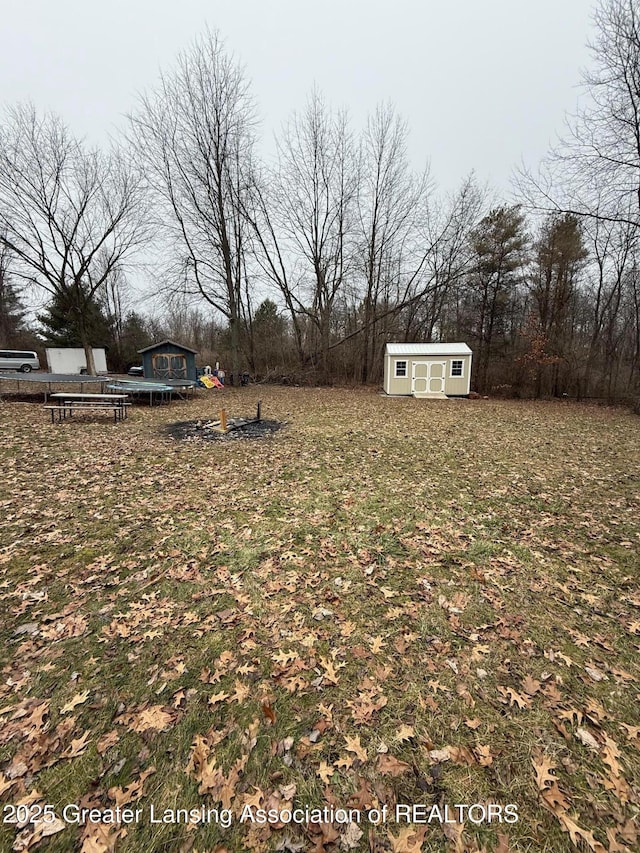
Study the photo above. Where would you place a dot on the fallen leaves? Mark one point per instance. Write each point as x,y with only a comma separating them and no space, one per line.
268,711
409,638
78,745
585,737
78,699
578,835
437,756
366,705
610,755
131,792
331,668
107,741
558,803
353,745
633,733
408,840
543,767
351,836
513,697
101,838
595,673
241,692
377,645
531,686
325,772
483,754
155,718
405,733
392,766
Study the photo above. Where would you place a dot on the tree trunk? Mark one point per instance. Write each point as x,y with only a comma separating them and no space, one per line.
235,350
88,349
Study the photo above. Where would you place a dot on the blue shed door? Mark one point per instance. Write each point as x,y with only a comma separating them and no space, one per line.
169,366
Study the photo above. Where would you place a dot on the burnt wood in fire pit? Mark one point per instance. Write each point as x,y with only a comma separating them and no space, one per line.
224,428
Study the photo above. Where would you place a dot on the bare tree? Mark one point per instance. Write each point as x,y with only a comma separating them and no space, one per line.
594,171
314,206
274,266
593,174
433,258
194,135
389,198
446,228
612,247
632,310
353,241
68,215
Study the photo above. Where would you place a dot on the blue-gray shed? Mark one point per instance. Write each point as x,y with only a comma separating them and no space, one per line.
169,360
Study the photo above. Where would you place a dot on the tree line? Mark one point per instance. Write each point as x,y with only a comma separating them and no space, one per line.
303,267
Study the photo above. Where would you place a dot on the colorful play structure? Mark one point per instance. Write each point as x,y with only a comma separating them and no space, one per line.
209,381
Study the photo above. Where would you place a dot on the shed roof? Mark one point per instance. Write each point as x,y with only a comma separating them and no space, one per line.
428,349
173,343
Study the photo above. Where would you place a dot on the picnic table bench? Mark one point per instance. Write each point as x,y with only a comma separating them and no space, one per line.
67,403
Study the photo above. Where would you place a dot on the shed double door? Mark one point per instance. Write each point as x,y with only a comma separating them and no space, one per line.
427,377
169,366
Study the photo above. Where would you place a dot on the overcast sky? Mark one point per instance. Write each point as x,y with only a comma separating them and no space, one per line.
482,83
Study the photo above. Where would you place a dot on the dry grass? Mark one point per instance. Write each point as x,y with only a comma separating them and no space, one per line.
389,601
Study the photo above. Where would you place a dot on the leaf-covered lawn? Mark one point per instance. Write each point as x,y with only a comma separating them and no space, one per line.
390,604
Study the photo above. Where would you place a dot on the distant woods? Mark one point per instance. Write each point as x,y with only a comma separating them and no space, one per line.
302,267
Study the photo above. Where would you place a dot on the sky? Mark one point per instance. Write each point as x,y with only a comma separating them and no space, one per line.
483,84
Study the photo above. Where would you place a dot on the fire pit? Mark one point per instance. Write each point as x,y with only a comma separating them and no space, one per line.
224,428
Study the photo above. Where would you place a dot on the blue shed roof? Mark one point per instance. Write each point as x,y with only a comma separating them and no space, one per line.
164,343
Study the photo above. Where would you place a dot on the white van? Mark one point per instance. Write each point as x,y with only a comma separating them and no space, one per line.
25,362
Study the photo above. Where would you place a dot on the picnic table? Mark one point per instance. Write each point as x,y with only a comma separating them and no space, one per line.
67,403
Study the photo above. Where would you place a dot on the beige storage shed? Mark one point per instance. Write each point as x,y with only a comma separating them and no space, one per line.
427,370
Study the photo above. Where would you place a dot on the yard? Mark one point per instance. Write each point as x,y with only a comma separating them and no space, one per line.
389,607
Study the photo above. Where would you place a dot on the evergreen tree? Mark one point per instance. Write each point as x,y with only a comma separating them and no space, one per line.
61,328
499,246
135,336
12,311
269,333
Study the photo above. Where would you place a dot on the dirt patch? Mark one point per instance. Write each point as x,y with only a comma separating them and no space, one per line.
238,430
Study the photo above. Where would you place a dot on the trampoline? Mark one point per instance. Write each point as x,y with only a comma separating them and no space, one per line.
135,387
163,389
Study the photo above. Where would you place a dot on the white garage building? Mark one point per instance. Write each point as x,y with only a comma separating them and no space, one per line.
428,370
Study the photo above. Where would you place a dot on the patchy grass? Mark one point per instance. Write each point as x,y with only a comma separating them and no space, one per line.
389,602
